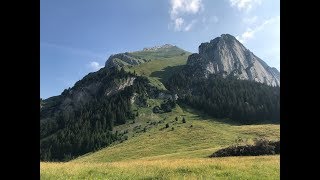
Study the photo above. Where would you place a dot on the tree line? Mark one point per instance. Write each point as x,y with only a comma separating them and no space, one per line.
242,101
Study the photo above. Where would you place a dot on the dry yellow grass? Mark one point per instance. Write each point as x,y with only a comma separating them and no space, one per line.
260,167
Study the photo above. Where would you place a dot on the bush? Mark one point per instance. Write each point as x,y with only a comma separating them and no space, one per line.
167,125
183,120
261,147
156,109
172,128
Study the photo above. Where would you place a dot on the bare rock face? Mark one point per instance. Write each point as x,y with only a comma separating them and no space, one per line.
226,56
122,59
118,87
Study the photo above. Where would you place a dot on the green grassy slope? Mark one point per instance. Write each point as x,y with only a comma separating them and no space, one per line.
162,64
182,153
199,141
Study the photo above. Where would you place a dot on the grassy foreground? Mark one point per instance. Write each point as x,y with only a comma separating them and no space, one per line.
260,167
179,153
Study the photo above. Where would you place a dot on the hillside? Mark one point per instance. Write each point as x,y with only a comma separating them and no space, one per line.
162,63
204,137
163,153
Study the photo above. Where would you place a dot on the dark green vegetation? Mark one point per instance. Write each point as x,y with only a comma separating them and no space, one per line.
66,133
261,147
242,101
166,106
110,106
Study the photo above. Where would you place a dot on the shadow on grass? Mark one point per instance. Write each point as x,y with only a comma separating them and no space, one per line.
166,73
202,115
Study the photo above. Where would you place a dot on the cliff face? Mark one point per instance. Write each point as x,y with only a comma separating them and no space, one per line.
226,56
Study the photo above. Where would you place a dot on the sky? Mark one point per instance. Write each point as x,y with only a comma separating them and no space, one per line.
78,36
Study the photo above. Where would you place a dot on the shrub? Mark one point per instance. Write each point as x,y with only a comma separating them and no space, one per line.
261,147
183,120
167,125
156,109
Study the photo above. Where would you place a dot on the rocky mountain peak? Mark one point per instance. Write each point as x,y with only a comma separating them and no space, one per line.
165,46
225,56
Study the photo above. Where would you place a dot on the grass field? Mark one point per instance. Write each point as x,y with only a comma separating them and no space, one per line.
262,167
179,153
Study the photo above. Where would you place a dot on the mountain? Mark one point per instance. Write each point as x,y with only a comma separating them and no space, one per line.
82,118
226,56
146,55
226,80
148,84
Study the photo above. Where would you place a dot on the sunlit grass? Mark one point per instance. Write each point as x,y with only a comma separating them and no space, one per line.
260,167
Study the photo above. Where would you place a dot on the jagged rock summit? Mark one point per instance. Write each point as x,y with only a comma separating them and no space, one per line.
226,56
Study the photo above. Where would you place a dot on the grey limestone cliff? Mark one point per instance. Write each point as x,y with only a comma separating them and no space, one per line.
226,56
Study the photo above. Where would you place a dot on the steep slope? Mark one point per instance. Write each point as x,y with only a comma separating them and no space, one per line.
83,117
226,56
226,80
156,63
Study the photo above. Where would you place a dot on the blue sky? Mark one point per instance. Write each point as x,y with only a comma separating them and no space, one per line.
77,36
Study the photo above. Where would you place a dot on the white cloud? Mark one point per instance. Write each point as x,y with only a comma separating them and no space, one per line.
181,8
189,26
95,66
245,5
250,33
178,24
250,20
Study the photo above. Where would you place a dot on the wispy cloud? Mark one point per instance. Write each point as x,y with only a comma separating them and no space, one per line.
245,5
190,25
181,8
250,20
94,66
250,32
178,24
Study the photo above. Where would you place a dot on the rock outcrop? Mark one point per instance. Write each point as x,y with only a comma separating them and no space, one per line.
122,59
226,56
155,48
